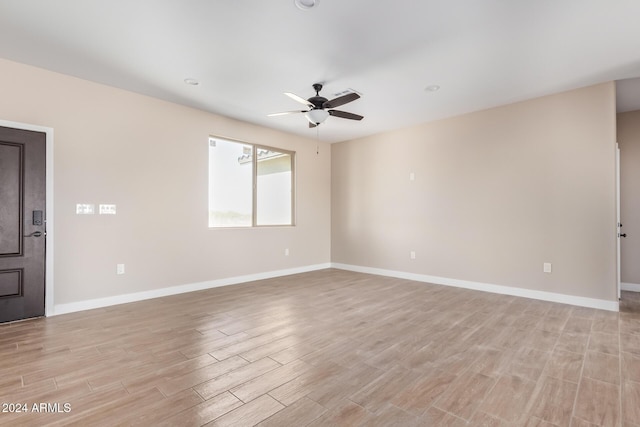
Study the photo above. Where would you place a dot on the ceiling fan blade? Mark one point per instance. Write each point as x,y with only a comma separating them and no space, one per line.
298,99
345,115
284,113
341,100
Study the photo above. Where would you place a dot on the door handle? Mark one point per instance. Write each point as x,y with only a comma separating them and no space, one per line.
34,234
623,235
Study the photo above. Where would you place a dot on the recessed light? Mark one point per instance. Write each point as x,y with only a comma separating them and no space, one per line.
432,88
306,4
192,82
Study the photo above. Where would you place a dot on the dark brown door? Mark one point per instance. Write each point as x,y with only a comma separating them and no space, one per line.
22,223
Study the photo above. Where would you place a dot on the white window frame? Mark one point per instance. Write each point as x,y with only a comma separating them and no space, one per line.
254,198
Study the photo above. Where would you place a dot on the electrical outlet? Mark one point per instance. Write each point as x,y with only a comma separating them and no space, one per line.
546,267
412,176
412,254
120,269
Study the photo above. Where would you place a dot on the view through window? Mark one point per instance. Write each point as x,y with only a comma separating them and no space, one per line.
249,185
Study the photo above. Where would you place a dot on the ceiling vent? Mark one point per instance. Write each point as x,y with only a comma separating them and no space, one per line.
346,92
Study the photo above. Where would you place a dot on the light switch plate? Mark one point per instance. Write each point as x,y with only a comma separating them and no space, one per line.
107,209
85,209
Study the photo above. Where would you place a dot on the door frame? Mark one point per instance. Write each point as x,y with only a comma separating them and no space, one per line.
618,224
49,308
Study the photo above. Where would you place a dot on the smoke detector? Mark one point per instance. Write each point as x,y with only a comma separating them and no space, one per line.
306,4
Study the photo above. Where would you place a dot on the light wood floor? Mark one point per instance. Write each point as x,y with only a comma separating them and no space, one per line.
328,348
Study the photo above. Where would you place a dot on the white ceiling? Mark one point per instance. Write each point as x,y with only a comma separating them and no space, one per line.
246,53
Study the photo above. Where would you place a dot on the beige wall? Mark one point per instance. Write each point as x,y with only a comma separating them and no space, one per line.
496,194
150,158
629,140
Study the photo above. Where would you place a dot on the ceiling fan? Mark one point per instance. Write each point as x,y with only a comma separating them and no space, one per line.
320,107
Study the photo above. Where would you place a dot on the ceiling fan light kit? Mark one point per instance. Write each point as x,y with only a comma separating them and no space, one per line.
316,116
320,107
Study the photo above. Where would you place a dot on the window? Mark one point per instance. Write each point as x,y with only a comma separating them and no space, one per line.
249,185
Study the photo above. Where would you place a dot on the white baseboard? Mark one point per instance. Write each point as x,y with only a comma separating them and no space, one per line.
181,289
487,287
633,287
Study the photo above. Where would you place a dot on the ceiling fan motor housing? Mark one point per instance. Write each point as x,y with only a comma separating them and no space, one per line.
317,100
